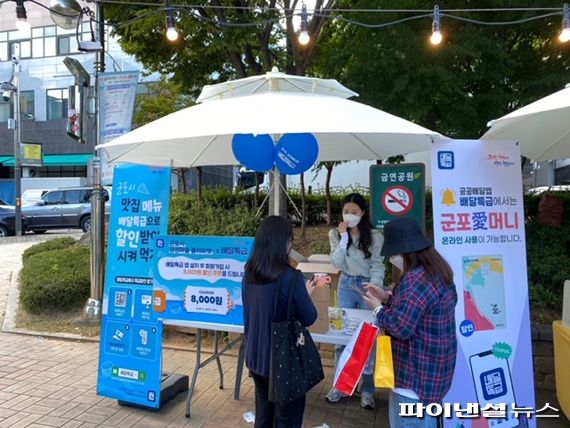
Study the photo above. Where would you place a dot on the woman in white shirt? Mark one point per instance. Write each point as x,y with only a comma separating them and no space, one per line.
355,251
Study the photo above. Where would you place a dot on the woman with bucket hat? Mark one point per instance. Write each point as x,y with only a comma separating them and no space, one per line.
420,318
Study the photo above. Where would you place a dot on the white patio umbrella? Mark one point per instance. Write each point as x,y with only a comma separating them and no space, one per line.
202,134
542,128
274,81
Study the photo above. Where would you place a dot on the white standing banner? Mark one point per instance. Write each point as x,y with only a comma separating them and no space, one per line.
479,228
117,93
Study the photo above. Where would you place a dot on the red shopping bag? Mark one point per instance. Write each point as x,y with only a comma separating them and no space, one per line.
353,359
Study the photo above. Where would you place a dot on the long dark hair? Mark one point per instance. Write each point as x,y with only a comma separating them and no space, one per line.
269,256
364,227
434,264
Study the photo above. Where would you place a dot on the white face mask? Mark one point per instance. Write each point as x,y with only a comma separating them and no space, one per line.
397,261
351,219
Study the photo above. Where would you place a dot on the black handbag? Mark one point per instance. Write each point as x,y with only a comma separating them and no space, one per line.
295,364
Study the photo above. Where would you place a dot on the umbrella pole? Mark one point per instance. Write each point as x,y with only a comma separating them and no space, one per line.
276,206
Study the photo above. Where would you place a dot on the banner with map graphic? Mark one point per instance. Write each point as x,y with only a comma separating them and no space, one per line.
478,222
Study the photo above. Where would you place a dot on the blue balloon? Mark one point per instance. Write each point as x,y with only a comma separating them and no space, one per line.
296,153
256,152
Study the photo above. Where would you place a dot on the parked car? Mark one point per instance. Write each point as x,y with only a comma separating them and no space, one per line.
7,220
64,208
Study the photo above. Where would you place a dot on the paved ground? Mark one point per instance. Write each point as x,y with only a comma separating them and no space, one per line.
51,383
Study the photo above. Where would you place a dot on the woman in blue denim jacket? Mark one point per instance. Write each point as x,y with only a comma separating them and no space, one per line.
355,251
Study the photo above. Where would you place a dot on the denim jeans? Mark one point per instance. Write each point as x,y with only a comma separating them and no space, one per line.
397,421
348,298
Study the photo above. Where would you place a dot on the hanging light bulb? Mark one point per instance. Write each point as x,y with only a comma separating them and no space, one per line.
436,36
171,33
304,37
565,33
22,23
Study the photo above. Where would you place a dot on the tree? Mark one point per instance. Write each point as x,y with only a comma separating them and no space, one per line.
161,99
216,41
478,73
329,166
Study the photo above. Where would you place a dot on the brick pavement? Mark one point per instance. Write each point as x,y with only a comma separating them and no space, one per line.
47,382
51,383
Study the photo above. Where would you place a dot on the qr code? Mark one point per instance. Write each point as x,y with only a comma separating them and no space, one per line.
120,299
493,383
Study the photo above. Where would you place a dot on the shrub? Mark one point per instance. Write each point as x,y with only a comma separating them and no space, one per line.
52,244
57,280
320,247
190,217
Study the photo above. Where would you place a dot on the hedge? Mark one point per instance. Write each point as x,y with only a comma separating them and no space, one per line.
56,280
52,244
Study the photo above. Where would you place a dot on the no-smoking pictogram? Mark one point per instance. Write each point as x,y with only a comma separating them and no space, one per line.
397,200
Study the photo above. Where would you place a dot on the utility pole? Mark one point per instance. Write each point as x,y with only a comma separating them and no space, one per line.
92,309
17,140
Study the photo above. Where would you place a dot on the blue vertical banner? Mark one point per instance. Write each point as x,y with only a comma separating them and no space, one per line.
130,357
198,278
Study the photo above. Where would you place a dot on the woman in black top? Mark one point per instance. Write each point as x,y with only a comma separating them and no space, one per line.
267,271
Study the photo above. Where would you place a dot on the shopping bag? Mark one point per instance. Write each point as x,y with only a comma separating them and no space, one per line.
353,359
384,367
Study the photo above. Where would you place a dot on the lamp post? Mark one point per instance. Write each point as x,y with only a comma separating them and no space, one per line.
17,140
12,89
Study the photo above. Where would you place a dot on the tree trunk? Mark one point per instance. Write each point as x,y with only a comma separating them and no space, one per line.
256,201
328,193
183,179
303,210
199,182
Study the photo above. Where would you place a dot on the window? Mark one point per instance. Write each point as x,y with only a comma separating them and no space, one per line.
63,45
27,103
57,104
52,198
26,106
71,197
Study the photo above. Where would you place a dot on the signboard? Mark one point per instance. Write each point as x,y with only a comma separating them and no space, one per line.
130,358
397,191
198,278
479,229
31,154
117,93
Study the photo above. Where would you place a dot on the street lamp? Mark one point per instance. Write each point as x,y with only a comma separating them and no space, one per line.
9,89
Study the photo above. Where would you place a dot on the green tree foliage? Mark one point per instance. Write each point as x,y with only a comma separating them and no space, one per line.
213,45
162,98
476,74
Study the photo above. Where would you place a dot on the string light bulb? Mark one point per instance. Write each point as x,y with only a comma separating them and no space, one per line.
22,23
565,33
171,33
436,36
304,37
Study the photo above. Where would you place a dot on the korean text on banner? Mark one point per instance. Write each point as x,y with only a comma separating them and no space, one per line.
117,93
130,355
198,278
479,228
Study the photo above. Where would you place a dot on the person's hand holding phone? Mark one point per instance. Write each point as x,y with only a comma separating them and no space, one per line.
373,291
311,284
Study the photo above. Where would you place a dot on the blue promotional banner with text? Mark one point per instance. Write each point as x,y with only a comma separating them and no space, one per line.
198,278
130,357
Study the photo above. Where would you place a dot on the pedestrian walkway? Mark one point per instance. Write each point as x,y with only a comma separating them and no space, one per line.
52,383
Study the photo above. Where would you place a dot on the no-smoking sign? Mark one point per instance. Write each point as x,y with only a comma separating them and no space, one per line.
397,200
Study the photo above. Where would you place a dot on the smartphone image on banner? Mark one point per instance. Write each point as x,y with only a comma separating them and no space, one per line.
493,384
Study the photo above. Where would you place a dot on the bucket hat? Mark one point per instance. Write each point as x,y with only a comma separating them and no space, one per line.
403,235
